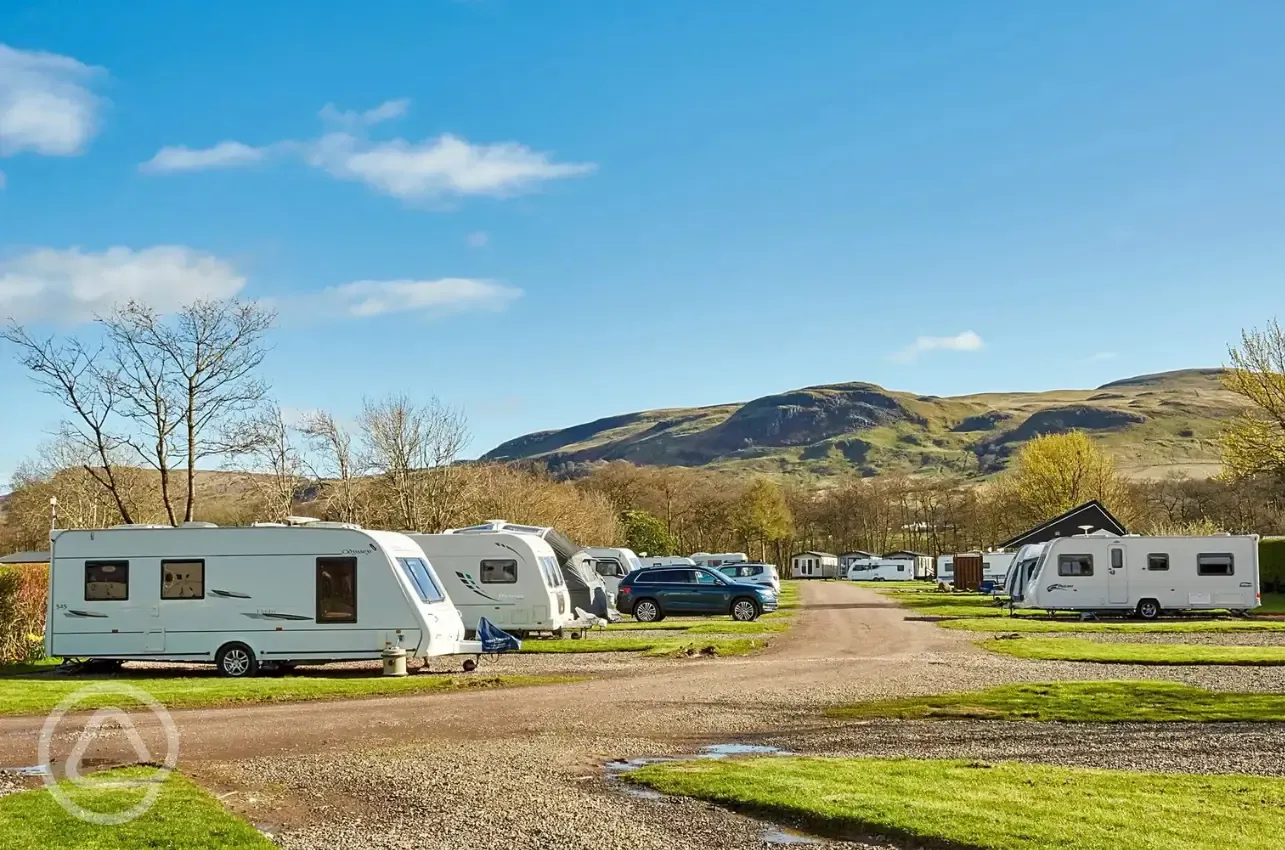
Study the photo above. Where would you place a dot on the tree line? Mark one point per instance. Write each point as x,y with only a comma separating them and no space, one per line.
149,399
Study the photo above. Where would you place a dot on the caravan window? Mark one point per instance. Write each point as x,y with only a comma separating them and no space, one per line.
106,580
610,569
552,571
1215,565
1075,565
901,568
336,590
1157,561
499,571
423,579
182,579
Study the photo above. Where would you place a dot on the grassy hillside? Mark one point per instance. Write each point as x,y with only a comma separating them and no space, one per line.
1151,423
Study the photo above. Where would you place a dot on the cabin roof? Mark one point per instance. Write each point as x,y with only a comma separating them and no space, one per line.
892,556
812,552
1092,513
26,558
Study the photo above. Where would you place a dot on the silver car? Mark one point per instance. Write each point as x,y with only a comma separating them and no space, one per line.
746,573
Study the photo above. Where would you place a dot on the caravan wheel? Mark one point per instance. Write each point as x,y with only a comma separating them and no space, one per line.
236,661
1148,609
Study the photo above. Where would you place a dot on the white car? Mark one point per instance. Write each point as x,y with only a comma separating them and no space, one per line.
745,573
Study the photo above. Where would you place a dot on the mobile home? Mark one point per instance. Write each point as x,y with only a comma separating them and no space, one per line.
814,565
922,564
881,569
244,597
1148,575
511,579
995,567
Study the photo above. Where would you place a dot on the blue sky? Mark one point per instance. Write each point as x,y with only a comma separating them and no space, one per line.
547,212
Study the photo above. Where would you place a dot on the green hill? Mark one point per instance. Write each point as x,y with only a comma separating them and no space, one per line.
1151,423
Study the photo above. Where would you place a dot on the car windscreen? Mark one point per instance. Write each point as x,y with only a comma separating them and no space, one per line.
421,576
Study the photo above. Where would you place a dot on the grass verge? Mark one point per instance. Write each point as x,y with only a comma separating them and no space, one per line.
768,624
1024,624
37,695
651,647
1079,702
183,818
1006,806
1072,649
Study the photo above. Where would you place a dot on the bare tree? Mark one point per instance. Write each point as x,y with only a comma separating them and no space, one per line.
191,379
265,444
335,462
75,375
412,449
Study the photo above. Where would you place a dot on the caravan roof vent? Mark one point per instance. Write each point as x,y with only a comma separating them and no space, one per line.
267,525
198,524
300,520
141,525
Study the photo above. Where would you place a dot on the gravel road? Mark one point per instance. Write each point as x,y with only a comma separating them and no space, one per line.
524,768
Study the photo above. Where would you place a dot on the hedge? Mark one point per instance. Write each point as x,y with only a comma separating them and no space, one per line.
24,592
1271,564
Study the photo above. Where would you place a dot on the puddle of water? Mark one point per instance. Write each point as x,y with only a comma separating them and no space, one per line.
719,751
619,766
35,770
777,836
640,793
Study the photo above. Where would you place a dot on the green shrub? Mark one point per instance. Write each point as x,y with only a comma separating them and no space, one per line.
1271,564
23,594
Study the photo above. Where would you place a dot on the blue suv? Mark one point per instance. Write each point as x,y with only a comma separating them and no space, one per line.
653,594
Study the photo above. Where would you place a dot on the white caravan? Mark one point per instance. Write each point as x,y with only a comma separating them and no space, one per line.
666,561
612,565
511,579
1097,572
881,569
705,559
995,567
242,597
1024,563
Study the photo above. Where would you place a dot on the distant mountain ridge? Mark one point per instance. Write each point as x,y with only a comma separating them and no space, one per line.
1151,423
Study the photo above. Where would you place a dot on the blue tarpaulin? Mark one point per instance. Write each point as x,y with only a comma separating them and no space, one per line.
495,639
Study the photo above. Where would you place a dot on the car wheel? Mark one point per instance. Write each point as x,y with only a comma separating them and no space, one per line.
1148,609
745,610
236,661
647,611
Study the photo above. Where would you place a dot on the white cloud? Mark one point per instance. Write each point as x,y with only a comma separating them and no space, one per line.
1101,357
444,166
223,155
475,240
964,341
71,286
365,299
386,111
46,105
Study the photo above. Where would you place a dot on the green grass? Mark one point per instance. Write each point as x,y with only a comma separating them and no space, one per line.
767,624
1027,624
39,694
1006,806
183,818
650,647
1073,649
937,604
1079,702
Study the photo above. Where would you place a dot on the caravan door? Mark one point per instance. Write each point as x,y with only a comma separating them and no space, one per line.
1117,578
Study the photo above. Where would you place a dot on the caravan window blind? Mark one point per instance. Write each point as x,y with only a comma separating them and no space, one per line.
1215,565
